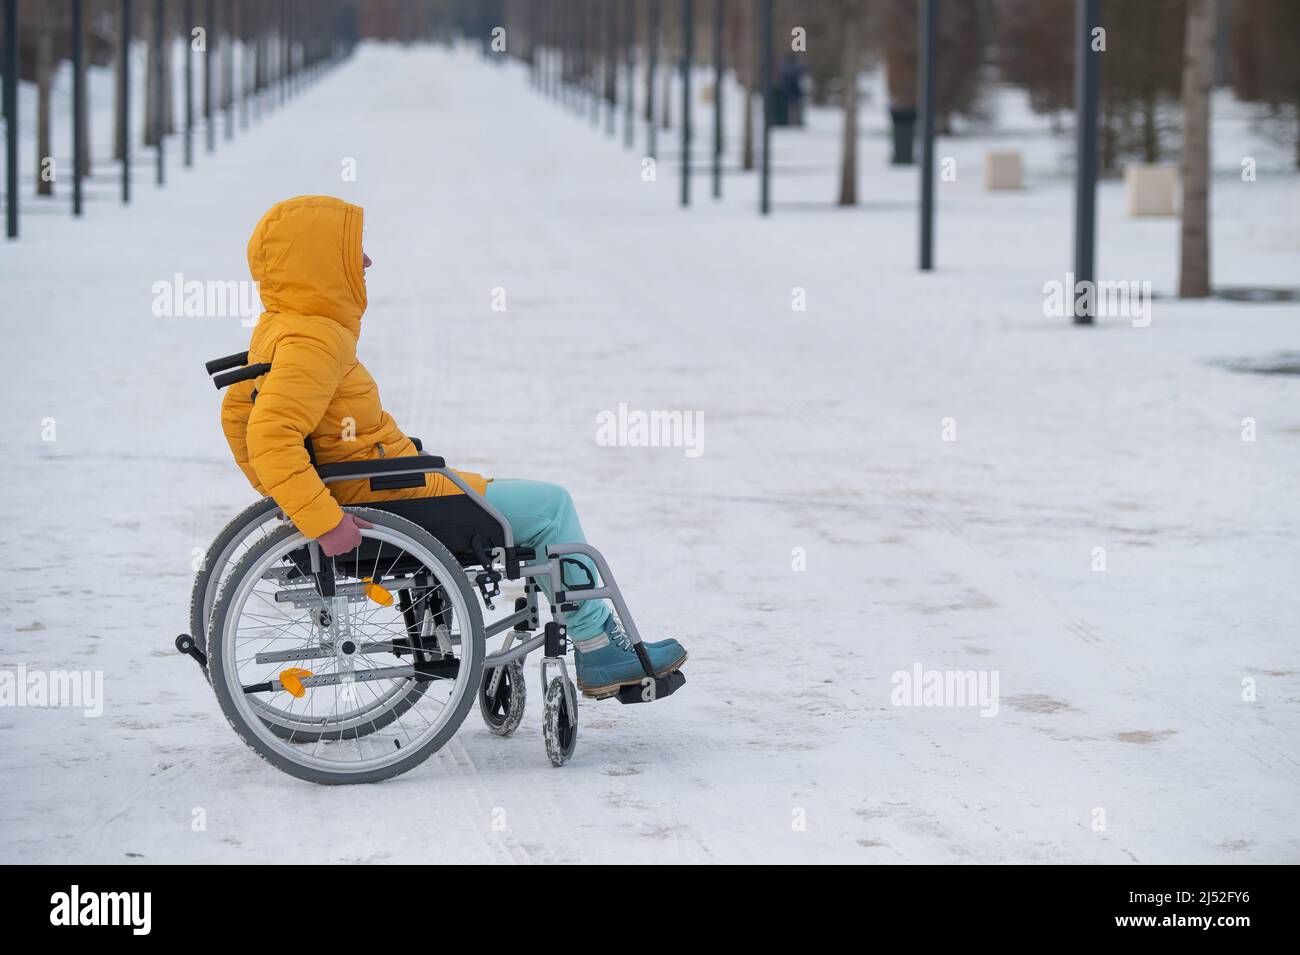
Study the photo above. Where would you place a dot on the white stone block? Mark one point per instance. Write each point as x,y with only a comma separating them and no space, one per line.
1151,189
1003,170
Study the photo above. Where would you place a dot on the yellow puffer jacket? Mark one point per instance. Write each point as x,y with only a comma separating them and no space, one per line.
305,255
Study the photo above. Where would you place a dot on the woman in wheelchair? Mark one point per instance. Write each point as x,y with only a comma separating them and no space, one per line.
317,405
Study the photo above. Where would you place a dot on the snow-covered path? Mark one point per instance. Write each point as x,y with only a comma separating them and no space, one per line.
1121,691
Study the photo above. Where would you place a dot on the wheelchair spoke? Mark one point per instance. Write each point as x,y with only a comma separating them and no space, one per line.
356,704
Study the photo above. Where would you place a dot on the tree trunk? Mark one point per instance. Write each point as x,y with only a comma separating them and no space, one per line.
44,86
228,60
1198,77
1150,127
169,87
1108,147
610,60
150,85
852,58
650,79
666,104
259,64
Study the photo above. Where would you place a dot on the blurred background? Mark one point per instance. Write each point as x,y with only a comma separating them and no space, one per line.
839,54
841,234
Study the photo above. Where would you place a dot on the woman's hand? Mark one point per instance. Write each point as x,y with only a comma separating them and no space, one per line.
343,538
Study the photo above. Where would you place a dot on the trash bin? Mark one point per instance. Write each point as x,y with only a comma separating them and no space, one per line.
904,126
780,107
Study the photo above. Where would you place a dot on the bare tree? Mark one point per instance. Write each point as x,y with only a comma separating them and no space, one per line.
149,80
1140,80
652,39
46,24
83,115
1198,78
665,94
1264,65
169,87
668,19
609,57
850,18
745,56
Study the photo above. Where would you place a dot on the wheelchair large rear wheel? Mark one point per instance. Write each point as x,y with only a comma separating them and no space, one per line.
235,539
244,530
345,689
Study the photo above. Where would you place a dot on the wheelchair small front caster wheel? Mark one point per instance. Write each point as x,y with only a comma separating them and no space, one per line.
560,721
503,707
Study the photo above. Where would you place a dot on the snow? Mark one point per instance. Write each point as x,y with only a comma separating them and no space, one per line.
1120,690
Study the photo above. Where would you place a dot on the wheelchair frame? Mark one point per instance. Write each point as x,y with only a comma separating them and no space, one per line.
520,627
554,638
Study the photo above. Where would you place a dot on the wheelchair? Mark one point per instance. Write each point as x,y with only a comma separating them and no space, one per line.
357,668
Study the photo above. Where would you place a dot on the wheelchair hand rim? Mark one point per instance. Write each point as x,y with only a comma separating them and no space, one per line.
253,712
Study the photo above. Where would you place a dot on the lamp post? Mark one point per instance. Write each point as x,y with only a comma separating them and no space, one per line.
11,118
1086,82
78,105
717,98
688,53
765,74
927,42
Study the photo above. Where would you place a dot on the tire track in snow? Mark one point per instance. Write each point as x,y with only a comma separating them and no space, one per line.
1196,708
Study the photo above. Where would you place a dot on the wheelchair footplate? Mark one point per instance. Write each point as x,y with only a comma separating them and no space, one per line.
651,689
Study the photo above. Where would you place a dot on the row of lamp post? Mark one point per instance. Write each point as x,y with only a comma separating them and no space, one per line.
1086,109
1086,86
302,52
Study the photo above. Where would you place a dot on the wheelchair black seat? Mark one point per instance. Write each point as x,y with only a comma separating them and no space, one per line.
454,519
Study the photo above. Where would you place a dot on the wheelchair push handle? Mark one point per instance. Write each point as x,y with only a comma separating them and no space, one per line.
228,378
234,368
229,361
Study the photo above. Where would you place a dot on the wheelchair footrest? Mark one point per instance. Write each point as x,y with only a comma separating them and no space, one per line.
645,693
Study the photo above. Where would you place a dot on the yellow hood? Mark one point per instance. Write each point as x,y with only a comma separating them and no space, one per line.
305,256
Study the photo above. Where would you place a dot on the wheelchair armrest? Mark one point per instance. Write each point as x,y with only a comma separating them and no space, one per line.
380,467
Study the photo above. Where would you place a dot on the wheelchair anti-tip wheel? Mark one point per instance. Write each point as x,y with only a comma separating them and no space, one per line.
351,670
560,720
502,695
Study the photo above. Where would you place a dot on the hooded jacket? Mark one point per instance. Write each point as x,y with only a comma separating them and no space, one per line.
305,255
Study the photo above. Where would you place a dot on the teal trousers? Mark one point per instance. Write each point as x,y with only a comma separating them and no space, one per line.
541,514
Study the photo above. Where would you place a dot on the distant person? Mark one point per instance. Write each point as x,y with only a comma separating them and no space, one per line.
791,84
306,257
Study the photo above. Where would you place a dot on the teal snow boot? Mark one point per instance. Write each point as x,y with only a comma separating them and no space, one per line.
606,663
